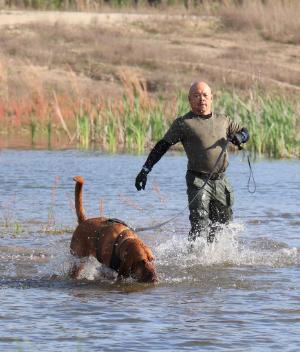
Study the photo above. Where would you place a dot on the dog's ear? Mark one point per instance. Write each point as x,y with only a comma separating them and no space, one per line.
126,265
123,270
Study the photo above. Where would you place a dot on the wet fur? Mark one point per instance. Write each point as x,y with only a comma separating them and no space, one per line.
97,236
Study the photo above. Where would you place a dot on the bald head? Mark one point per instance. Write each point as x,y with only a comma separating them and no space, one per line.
196,86
200,98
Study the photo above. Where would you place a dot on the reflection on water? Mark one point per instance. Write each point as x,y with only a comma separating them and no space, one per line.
241,293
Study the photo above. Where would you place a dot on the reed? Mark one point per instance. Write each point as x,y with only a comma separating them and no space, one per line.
111,136
157,123
33,131
13,228
49,133
83,130
271,122
136,125
135,122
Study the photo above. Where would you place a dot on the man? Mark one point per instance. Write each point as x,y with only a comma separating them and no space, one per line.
205,137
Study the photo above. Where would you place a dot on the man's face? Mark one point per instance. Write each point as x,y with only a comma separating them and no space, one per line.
200,98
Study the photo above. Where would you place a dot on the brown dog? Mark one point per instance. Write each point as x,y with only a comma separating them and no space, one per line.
112,243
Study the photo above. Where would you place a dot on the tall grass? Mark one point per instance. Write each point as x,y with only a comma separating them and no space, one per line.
49,133
271,121
33,130
135,122
83,129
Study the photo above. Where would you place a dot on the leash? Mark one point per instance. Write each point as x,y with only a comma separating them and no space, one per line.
157,226
251,174
251,177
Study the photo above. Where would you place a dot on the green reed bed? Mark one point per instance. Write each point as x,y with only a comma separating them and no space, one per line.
271,121
83,129
125,125
134,123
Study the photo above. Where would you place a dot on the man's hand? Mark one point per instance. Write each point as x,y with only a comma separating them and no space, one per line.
237,139
240,137
141,180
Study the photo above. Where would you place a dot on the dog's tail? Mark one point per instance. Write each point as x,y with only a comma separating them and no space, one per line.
78,198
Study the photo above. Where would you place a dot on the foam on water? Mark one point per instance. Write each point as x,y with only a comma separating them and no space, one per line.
226,250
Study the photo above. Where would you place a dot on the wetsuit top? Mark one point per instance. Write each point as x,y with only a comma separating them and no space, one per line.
203,139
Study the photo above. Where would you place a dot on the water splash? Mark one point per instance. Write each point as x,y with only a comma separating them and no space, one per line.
93,270
226,250
175,260
61,263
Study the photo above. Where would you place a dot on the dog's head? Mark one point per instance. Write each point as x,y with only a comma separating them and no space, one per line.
144,271
137,261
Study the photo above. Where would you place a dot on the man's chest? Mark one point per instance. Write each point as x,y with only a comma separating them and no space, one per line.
204,131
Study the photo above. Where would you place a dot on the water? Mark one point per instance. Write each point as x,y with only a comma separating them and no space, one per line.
240,294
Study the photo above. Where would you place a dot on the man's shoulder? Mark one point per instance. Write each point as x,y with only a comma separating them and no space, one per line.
179,120
221,116
183,118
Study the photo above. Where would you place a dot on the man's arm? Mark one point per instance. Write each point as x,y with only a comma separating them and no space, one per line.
172,136
156,153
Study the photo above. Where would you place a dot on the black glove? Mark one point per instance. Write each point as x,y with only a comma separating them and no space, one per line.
141,180
240,137
237,139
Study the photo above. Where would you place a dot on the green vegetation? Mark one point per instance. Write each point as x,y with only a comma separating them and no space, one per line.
271,122
11,226
136,122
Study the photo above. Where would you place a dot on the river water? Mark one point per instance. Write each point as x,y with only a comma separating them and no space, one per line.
240,294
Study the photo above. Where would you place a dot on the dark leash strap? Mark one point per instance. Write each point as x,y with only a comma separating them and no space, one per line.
251,174
251,177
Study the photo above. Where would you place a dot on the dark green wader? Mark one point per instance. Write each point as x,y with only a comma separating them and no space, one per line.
212,205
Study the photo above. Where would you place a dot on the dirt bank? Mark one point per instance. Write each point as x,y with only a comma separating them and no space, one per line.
168,52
